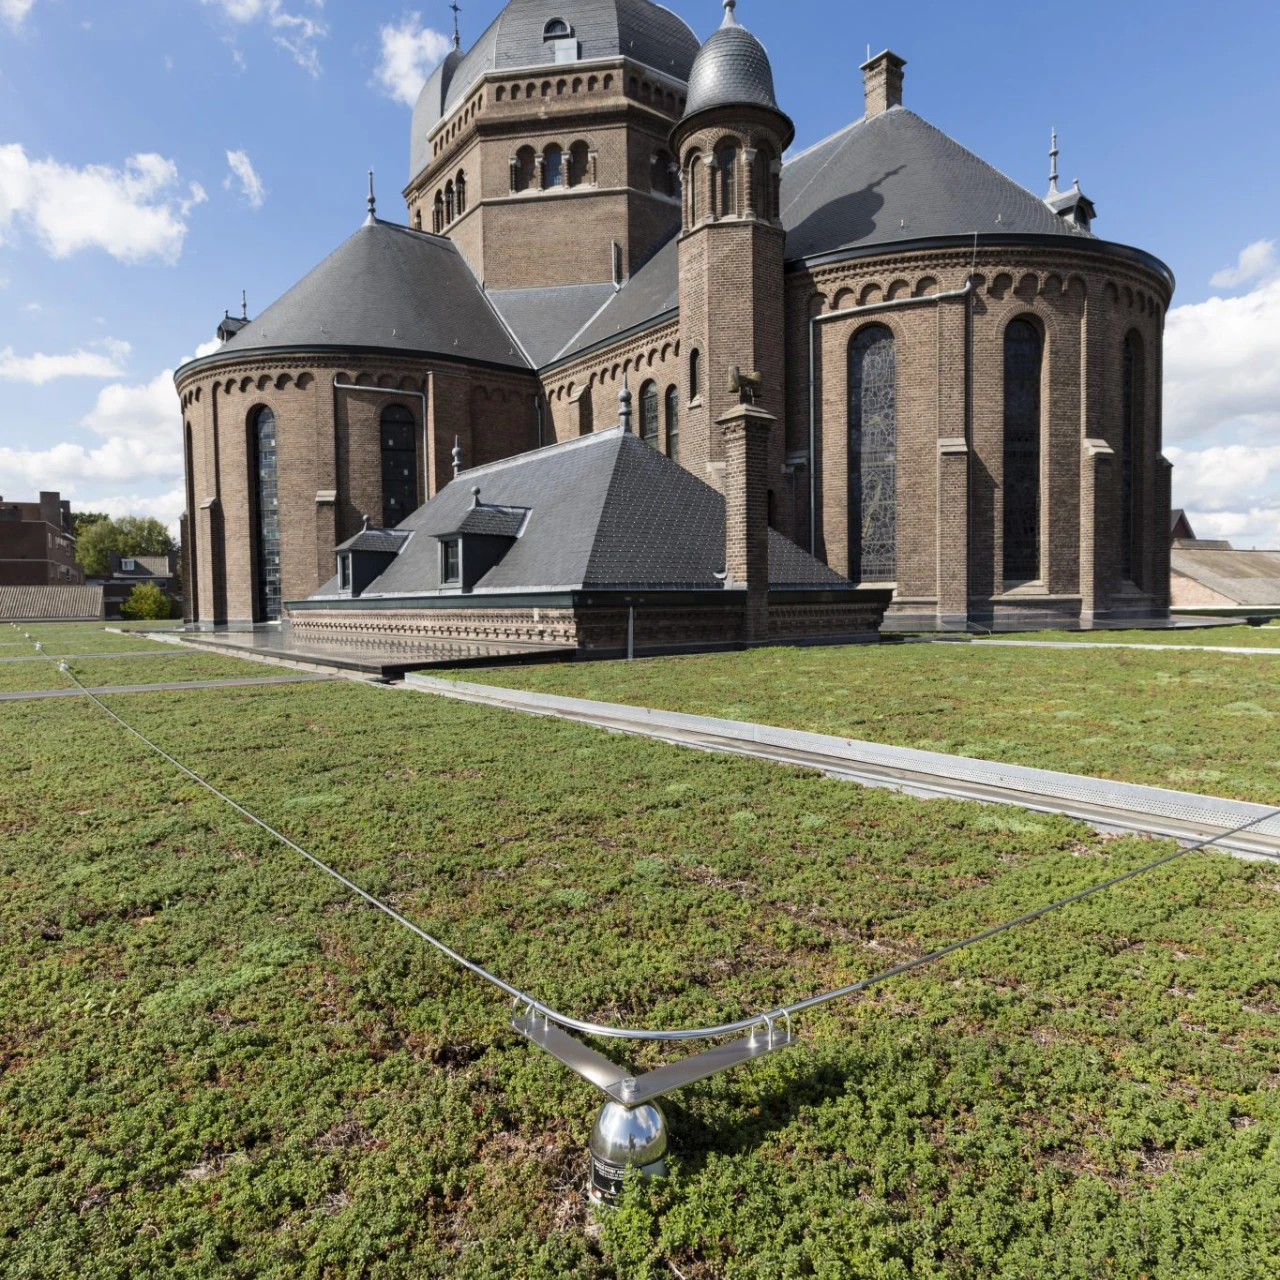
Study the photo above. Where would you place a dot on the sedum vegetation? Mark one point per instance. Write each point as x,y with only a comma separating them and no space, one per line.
1202,722
215,1062
1243,636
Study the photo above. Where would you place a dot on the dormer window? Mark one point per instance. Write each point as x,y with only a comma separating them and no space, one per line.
128,566
344,574
558,34
451,562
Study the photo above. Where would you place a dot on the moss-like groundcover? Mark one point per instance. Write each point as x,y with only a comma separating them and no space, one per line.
214,1063
1242,636
1203,722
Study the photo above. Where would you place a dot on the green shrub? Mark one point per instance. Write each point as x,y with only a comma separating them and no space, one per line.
146,603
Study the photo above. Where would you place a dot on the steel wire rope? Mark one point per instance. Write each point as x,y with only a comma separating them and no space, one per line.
783,1012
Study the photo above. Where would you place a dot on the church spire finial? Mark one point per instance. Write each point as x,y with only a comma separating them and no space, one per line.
457,36
244,304
624,407
730,18
1053,165
373,204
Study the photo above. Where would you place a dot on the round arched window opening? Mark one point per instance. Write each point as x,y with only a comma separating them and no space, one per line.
266,492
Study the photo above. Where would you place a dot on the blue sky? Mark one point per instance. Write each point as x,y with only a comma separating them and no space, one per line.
156,156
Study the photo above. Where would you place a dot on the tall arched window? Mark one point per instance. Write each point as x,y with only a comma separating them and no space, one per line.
437,214
191,589
449,204
873,456
267,505
399,466
673,423
649,413
762,182
460,188
579,163
727,181
552,167
1130,451
1023,362
695,191
695,374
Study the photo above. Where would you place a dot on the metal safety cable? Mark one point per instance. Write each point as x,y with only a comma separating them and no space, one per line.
693,1033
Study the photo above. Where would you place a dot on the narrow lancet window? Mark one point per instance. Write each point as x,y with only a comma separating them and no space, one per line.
1023,361
399,466
873,456
267,496
1130,450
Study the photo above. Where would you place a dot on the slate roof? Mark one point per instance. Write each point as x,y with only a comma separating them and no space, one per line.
54,604
605,511
387,288
493,522
382,541
639,29
896,177
147,566
653,291
546,320
1245,577
732,69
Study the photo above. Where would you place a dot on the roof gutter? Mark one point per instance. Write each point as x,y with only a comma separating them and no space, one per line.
814,322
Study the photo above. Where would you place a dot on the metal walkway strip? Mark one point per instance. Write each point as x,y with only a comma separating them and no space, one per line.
1116,806
174,686
1248,651
94,657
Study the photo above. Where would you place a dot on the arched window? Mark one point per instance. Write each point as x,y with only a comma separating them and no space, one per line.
437,214
556,29
399,466
460,187
579,163
673,424
267,510
191,588
695,191
417,219
873,456
552,167
727,181
649,413
695,374
1131,449
1023,361
524,168
449,205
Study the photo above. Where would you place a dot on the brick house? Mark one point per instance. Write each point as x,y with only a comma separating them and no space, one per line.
38,544
128,572
963,379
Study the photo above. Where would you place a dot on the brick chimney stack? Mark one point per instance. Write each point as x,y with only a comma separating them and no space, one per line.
747,433
882,77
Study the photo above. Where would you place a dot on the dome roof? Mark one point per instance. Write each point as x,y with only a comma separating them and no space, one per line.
527,33
731,70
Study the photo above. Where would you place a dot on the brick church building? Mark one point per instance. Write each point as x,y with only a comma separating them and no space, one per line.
962,380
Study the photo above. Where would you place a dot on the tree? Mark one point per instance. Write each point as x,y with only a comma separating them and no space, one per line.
128,536
81,520
146,603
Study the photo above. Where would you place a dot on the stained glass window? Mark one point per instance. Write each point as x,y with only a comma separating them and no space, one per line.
873,456
649,413
1132,435
673,424
399,466
1023,358
268,504
552,166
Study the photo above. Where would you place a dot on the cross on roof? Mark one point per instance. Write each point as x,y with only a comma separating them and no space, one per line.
457,38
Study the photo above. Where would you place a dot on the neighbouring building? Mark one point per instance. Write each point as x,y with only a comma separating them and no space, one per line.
38,544
128,572
963,379
1212,574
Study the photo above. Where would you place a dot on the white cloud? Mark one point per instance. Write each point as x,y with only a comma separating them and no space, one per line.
1257,529
33,308
134,213
1256,260
1222,364
410,52
296,33
1232,477
242,171
15,11
39,368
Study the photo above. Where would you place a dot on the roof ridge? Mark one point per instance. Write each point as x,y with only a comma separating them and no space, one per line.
565,446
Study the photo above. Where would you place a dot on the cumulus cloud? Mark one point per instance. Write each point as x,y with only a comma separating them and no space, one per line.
1255,261
410,52
37,369
1222,364
136,212
242,171
296,33
15,11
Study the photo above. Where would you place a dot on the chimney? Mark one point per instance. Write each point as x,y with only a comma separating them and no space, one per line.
747,432
882,77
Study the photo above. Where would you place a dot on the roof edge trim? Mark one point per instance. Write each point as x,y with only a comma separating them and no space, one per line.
663,317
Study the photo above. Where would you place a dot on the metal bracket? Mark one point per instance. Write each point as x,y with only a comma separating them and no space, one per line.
630,1090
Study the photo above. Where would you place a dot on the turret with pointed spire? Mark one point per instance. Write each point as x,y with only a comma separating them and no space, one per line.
1073,207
